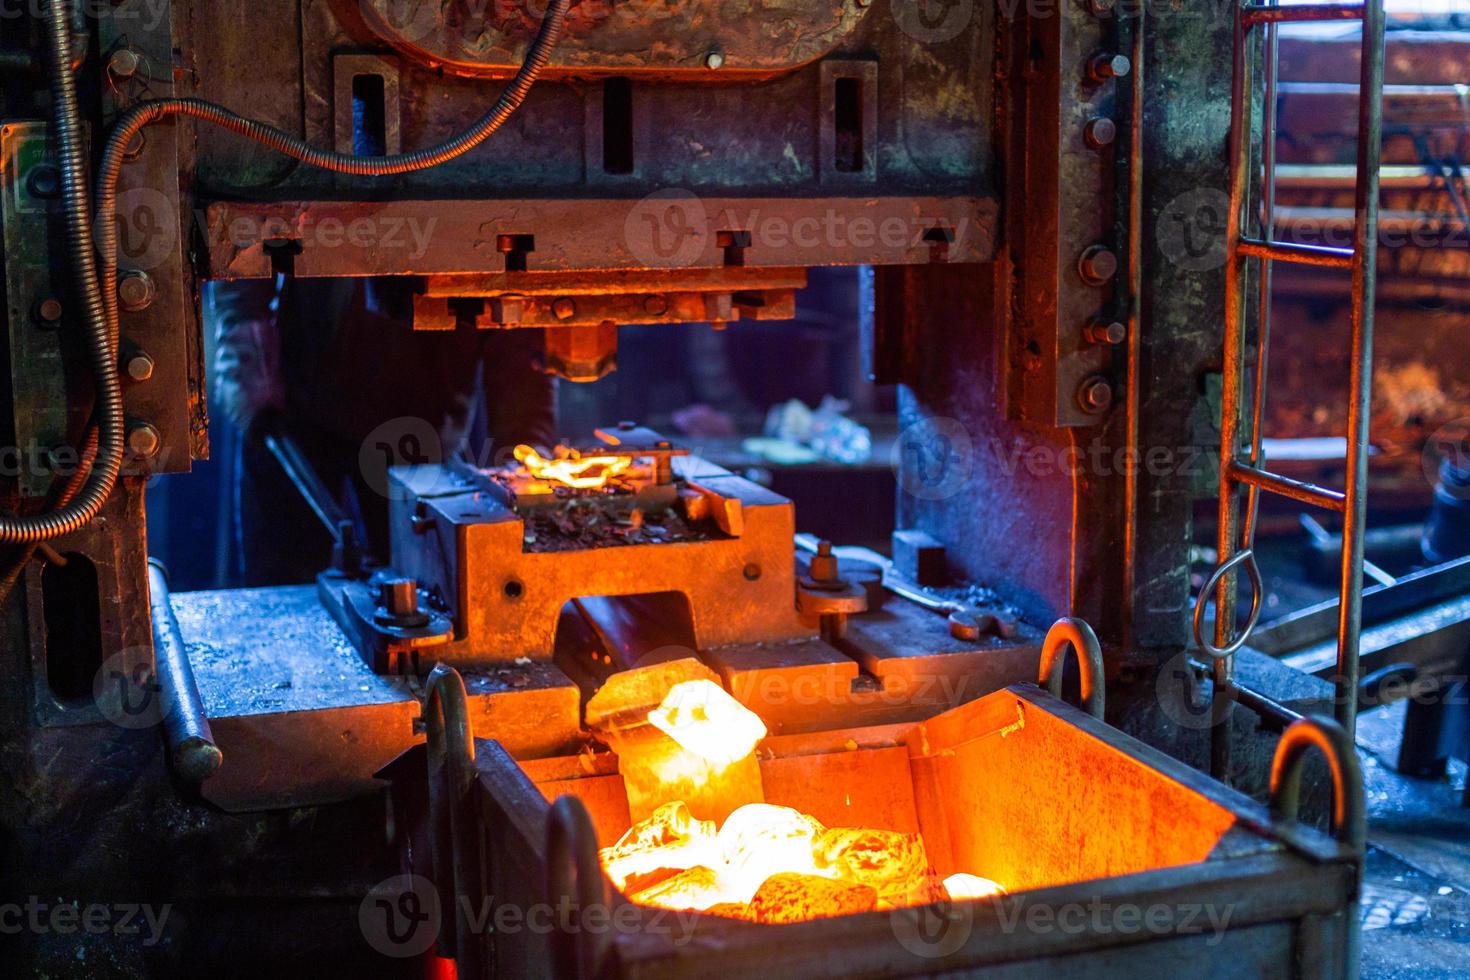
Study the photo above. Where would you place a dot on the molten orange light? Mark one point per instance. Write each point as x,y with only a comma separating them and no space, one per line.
571,469
765,863
705,720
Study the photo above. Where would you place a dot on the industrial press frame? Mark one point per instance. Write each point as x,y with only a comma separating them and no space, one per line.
1025,304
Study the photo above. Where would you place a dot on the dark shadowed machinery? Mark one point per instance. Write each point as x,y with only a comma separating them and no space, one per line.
602,708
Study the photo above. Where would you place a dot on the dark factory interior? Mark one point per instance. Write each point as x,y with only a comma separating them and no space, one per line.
768,488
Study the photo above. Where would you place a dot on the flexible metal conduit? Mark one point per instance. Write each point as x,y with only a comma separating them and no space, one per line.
100,336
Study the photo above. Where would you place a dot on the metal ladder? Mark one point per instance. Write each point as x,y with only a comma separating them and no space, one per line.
1255,28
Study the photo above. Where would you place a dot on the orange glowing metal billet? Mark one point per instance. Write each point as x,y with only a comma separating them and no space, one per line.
766,863
572,470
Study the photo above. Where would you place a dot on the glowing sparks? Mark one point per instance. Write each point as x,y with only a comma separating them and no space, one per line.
571,469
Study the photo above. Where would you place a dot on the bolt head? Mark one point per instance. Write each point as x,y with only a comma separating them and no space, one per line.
140,367
1098,265
564,308
715,60
1106,66
124,63
1107,333
1100,132
144,440
49,311
656,305
1095,395
136,291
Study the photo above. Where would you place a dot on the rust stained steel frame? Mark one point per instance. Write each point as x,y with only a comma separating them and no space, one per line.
1235,540
1295,903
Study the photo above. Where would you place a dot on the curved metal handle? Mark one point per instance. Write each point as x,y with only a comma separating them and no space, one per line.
451,745
574,874
1076,634
1331,739
1258,591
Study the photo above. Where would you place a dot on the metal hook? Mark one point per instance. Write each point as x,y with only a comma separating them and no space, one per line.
451,750
1258,591
574,874
1331,739
1076,634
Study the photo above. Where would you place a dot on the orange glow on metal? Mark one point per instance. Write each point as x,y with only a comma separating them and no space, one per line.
708,722
572,469
766,863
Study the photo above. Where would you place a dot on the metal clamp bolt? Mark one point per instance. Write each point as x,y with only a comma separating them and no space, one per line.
1095,395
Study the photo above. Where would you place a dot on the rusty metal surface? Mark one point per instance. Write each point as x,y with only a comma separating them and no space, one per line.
301,719
1060,211
617,36
1290,889
407,237
37,375
505,599
156,226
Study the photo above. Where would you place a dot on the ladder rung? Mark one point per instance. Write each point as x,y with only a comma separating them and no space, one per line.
1255,13
1334,258
1306,493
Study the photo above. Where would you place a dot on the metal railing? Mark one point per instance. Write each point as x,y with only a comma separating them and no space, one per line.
1249,237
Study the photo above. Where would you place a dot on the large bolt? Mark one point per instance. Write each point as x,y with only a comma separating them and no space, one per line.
124,63
139,366
144,440
1105,66
401,596
1095,395
1105,332
1097,265
136,291
48,311
1100,132
564,308
824,563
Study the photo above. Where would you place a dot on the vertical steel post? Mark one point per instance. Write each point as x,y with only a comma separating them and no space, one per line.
1365,280
1232,369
